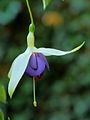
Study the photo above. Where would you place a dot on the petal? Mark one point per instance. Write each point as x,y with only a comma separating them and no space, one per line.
33,62
32,72
45,60
17,70
49,51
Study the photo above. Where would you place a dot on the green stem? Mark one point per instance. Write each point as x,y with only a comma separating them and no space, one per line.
29,9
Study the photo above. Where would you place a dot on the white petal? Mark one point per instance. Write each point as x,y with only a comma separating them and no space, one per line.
49,51
17,70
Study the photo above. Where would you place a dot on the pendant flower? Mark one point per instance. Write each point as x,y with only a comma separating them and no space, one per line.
32,63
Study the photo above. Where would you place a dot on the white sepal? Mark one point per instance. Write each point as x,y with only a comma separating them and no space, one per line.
17,70
50,51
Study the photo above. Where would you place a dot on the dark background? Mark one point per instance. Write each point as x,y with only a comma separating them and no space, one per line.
64,91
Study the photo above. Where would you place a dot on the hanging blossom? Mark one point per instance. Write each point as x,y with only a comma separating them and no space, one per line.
32,63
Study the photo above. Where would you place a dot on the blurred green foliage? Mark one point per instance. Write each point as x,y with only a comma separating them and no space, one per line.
8,11
45,3
8,118
64,91
1,115
3,94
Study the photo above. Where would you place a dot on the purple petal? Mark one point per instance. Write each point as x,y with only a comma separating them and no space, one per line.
36,65
33,62
45,60
41,66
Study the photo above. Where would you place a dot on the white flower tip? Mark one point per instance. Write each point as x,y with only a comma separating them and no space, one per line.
10,91
79,46
10,94
76,49
82,44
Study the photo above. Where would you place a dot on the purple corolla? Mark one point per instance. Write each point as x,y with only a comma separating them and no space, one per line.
36,65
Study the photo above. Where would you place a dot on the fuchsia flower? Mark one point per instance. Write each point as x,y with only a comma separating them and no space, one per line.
32,63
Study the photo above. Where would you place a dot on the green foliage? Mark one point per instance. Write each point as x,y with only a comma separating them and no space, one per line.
8,11
1,115
45,3
2,94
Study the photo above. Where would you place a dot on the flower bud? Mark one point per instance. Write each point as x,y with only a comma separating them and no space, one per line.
31,28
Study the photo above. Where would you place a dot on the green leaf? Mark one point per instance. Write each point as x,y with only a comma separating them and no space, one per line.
2,94
1,115
45,3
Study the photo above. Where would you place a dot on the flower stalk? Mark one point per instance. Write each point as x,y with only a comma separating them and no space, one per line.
29,10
